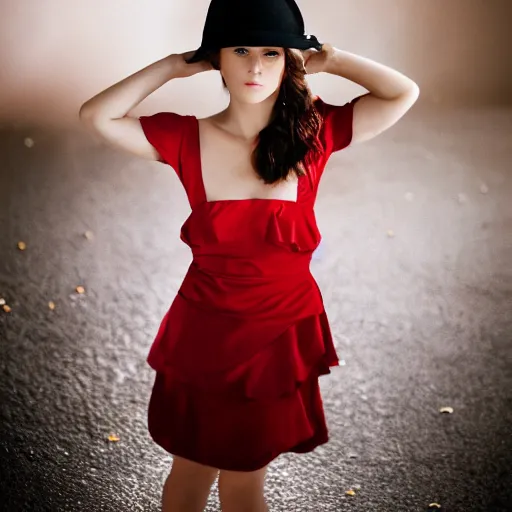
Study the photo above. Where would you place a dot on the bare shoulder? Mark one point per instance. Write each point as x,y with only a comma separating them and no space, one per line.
215,120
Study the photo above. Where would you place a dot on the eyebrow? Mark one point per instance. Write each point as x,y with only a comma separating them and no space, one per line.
263,48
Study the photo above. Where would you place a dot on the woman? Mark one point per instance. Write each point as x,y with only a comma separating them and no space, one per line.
238,354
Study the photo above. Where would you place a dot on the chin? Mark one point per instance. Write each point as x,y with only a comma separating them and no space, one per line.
253,97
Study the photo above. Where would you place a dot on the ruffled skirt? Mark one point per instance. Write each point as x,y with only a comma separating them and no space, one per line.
240,410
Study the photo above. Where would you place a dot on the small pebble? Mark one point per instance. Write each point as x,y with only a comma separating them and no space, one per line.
462,198
391,233
89,235
350,492
51,305
434,505
6,308
448,410
484,188
2,301
29,142
80,290
22,246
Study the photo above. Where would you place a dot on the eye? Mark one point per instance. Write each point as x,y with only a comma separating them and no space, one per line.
273,54
241,51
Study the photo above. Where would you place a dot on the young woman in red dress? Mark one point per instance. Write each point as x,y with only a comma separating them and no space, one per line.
239,353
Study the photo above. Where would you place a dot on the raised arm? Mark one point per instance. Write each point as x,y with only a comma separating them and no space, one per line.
106,114
390,93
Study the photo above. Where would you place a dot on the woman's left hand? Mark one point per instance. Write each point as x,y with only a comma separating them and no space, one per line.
316,61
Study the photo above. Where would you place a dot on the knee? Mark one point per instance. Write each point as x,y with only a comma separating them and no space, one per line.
187,487
242,492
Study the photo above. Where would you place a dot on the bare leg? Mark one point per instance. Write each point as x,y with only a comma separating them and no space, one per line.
188,486
242,491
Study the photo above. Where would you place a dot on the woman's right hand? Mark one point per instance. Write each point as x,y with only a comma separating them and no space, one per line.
183,69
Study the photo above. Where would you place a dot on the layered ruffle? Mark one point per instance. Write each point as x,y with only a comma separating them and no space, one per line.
262,368
227,433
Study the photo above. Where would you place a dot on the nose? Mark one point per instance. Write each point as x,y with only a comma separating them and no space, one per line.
256,65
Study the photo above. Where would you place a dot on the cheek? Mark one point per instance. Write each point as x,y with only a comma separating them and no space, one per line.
230,78
231,72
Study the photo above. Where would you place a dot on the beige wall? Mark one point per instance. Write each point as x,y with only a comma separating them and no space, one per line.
55,54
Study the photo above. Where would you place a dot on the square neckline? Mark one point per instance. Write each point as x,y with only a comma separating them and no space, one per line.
199,167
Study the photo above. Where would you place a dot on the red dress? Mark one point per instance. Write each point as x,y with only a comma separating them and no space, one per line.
238,354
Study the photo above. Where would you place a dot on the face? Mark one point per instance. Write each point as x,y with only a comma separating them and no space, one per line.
252,74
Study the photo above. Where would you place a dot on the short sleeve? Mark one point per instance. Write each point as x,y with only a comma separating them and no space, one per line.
337,123
165,131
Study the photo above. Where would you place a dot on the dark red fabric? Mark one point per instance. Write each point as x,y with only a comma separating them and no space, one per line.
239,352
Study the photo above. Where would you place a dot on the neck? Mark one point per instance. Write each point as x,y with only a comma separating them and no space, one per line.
247,120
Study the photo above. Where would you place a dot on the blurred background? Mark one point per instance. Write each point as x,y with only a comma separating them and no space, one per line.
57,54
414,267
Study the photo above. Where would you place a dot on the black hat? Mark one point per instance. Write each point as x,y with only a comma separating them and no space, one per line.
254,23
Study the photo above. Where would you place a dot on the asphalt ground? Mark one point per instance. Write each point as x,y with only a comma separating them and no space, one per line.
415,271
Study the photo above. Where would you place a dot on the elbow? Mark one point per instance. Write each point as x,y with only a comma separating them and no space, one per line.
90,117
86,113
408,97
413,92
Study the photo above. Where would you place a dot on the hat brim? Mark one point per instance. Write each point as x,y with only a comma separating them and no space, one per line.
303,42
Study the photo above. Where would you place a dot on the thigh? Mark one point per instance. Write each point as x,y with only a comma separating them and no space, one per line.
188,467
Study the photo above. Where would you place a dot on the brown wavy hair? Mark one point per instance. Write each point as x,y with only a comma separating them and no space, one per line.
287,143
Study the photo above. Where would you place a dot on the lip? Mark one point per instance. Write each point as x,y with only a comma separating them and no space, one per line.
253,84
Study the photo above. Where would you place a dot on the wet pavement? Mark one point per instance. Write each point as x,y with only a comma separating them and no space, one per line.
415,270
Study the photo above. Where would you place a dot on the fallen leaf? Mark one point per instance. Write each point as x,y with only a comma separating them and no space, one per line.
22,246
51,305
80,289
350,492
6,308
113,438
449,410
434,505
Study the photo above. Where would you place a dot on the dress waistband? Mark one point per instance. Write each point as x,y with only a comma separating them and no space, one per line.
275,267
